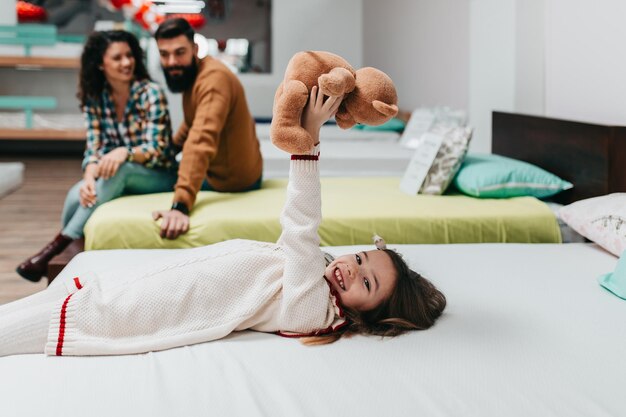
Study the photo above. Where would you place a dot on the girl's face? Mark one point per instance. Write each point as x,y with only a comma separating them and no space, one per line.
363,280
118,62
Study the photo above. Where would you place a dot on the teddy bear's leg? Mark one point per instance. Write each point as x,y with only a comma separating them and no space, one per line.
337,82
277,94
286,131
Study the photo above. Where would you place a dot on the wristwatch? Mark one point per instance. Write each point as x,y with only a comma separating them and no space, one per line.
182,207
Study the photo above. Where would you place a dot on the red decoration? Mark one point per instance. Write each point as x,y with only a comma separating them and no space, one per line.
142,15
118,4
195,20
145,13
30,13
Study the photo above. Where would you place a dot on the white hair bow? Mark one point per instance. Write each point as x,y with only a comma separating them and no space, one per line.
379,242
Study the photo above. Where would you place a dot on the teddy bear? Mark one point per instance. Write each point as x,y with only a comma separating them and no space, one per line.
369,97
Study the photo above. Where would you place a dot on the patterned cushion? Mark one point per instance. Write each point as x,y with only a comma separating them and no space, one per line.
448,160
600,219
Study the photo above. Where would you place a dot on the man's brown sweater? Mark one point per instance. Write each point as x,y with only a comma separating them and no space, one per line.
218,135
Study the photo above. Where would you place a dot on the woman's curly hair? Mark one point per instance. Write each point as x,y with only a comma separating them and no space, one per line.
91,80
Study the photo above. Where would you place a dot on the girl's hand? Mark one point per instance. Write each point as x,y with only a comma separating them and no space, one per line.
318,111
110,162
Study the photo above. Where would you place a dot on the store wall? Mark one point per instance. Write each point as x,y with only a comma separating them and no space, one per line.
8,15
585,60
423,45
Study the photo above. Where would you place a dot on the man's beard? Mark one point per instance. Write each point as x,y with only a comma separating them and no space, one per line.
180,83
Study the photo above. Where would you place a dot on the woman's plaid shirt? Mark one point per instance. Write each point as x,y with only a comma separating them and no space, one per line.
146,123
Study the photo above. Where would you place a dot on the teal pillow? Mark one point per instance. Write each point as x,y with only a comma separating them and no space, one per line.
616,281
495,176
393,125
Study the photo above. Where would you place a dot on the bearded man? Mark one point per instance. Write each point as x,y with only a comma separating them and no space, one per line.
217,136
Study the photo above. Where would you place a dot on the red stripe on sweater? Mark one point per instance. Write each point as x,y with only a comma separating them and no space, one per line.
305,157
327,330
77,283
299,335
62,326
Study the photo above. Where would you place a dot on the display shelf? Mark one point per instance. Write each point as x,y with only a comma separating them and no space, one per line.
42,134
35,62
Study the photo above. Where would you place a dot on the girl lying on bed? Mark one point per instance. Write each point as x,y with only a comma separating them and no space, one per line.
202,294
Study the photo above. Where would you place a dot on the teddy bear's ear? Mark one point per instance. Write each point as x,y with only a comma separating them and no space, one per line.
388,110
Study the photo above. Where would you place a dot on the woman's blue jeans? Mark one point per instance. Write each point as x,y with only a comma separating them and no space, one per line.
130,178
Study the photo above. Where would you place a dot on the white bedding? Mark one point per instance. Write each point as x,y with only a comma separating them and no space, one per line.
527,332
345,153
11,177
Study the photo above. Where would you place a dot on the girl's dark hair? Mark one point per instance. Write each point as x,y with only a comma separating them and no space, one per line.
415,304
173,28
92,81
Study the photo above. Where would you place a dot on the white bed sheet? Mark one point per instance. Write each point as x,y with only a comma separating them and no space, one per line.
527,332
345,153
11,177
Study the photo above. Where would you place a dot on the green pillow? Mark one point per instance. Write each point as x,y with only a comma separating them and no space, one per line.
393,125
495,176
616,281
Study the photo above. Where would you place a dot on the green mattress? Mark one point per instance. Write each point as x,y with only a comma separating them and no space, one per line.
353,210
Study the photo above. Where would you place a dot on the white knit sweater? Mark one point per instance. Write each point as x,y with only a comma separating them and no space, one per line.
205,293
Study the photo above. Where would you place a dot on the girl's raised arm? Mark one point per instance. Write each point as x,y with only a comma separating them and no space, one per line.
302,215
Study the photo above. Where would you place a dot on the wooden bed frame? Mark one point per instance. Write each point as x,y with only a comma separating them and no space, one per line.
590,156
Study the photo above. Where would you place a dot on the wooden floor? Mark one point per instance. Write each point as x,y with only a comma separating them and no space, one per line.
30,217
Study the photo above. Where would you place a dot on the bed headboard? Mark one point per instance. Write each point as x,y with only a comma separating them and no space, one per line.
590,156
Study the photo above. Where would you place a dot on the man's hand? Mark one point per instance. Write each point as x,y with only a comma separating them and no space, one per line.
110,162
174,223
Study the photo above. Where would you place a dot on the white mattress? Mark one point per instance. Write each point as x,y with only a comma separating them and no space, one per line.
11,177
52,121
58,50
527,332
345,153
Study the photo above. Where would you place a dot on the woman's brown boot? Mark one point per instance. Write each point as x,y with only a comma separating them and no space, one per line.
36,266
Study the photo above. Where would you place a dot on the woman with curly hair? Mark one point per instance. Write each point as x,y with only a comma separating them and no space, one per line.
128,150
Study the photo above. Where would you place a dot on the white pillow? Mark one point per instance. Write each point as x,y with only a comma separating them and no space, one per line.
600,219
448,160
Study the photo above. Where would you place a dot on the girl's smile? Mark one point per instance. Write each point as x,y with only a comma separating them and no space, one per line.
339,279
